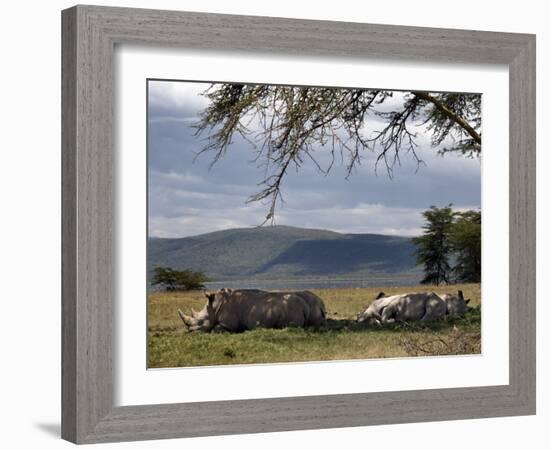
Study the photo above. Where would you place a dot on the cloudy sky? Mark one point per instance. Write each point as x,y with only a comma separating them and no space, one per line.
187,198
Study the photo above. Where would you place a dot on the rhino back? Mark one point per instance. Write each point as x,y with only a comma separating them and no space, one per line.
316,309
411,307
377,306
420,306
277,310
247,310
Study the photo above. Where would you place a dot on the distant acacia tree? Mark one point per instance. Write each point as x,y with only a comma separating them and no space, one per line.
466,246
178,280
287,125
434,246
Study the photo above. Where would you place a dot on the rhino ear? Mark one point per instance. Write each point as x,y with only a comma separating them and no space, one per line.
207,294
380,295
467,301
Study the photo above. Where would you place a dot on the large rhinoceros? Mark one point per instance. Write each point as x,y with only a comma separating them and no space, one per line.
247,309
422,306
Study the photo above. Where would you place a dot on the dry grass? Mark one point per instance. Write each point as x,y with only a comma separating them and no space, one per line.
169,345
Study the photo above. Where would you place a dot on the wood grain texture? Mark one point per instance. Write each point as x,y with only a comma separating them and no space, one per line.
89,36
68,226
522,282
88,209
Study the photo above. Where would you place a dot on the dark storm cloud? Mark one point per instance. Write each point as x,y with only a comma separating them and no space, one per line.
187,197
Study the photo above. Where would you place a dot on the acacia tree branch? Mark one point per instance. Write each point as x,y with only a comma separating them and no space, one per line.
293,123
450,114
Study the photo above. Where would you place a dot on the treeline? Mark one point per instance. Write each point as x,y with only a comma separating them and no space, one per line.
450,248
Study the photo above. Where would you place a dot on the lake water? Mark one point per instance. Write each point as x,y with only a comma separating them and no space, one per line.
321,283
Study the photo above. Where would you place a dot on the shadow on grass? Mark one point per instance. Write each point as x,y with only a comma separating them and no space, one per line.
471,319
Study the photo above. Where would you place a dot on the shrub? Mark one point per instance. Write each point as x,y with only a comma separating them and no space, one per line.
178,280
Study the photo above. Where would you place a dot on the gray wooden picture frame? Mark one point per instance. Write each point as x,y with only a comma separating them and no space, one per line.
90,34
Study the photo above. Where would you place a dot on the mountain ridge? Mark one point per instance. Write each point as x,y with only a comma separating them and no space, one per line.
283,251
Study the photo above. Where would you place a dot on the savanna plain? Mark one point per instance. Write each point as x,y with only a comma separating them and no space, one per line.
341,338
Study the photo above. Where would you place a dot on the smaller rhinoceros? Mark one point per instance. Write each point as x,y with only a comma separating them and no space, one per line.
247,309
423,306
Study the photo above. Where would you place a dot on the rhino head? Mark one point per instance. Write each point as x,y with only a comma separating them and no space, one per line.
197,321
368,319
206,318
371,316
457,305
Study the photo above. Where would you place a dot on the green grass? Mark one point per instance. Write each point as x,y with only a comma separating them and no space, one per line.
169,344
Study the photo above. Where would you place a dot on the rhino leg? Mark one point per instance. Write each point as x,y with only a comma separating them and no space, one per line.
434,310
427,317
375,321
388,315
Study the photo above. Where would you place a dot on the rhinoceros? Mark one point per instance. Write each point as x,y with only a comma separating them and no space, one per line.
422,306
247,309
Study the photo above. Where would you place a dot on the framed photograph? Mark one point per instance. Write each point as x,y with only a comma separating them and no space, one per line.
305,210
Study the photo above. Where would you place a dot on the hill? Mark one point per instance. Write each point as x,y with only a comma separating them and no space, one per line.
281,251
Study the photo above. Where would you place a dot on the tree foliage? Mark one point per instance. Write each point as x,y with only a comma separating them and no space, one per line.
288,125
178,280
466,245
450,247
434,246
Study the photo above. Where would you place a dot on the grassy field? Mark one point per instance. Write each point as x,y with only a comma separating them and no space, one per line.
169,344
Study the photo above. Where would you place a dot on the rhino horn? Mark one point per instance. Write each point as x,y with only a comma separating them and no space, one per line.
193,312
186,319
461,295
